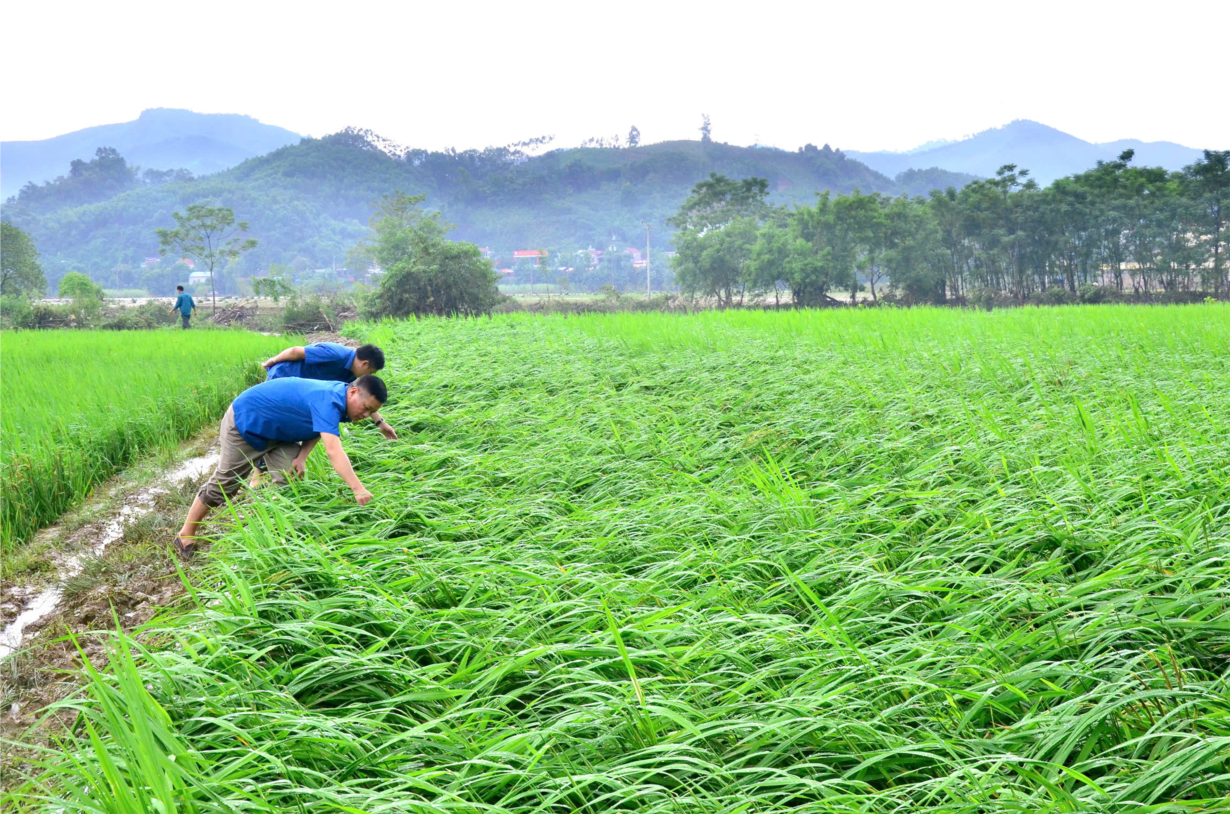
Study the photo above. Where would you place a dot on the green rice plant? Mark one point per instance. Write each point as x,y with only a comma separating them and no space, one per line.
81,405
906,561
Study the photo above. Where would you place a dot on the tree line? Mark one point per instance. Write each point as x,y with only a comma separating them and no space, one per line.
1116,229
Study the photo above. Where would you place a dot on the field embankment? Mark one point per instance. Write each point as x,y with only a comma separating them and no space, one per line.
81,405
839,561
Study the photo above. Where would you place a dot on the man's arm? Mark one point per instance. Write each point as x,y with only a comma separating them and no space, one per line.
289,355
341,465
386,429
299,464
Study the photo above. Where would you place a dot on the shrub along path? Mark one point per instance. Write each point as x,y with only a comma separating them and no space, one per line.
833,562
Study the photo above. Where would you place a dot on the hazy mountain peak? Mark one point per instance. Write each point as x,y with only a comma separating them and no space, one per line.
1047,152
159,138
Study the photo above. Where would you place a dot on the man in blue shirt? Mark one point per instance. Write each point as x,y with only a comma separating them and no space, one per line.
281,421
331,362
184,304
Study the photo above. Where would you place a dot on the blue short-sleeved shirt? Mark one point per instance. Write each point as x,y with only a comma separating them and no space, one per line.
323,361
289,410
184,304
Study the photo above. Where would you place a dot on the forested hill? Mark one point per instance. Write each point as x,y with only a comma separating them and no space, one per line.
158,139
312,200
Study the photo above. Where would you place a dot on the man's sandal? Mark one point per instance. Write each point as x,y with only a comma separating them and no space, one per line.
184,549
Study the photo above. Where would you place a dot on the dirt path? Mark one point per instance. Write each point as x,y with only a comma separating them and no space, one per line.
108,556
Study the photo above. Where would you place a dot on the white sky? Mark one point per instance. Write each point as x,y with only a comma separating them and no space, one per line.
857,75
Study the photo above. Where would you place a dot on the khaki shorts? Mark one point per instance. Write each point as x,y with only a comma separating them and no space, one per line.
236,461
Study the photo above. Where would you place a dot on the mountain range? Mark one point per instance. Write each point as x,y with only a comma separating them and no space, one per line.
1046,152
160,138
308,200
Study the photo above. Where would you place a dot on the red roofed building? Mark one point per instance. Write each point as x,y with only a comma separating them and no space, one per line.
527,255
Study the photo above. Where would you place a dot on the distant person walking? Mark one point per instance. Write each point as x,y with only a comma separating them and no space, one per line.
281,421
185,305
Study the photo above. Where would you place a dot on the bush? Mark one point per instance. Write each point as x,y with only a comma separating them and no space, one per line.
317,312
1095,294
1053,296
143,317
16,312
77,286
425,274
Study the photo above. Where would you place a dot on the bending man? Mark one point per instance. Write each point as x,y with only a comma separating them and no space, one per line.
331,362
282,421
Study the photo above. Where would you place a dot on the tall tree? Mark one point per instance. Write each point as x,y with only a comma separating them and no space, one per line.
634,137
1210,180
209,234
20,272
706,130
425,274
718,200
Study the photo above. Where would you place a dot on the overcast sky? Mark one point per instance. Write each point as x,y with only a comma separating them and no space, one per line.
857,75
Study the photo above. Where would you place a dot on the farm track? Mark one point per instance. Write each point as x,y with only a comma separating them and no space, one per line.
104,564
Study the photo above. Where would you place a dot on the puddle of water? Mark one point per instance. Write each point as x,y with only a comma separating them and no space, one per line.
68,566
193,468
43,604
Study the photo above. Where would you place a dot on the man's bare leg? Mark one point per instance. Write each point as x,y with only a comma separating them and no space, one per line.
195,515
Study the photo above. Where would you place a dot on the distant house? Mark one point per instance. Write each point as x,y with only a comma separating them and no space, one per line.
150,262
486,252
507,271
638,262
197,277
531,254
188,261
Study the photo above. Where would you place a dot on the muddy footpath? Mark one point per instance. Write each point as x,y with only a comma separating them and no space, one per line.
62,593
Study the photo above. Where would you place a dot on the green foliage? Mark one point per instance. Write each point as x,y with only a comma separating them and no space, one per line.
20,273
937,562
274,286
209,234
425,274
1159,234
143,317
924,182
112,398
313,199
718,200
77,286
305,313
101,178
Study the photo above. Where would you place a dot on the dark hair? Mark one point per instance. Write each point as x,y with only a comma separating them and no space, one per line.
179,288
371,354
373,386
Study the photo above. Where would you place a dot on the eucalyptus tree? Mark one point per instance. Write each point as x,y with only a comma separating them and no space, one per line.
210,235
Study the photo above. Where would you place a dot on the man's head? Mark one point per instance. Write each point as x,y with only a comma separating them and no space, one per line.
365,397
367,359
180,289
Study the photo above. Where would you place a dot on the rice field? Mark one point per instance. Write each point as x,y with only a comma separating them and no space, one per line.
81,405
889,561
